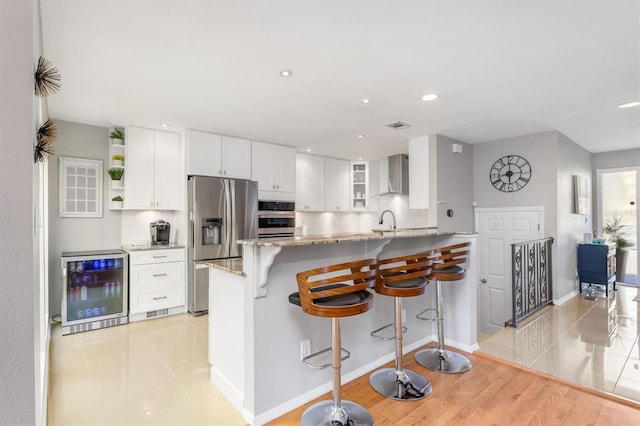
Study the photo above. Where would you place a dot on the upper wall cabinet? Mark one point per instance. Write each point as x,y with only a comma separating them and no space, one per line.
154,175
336,184
360,191
309,182
214,155
274,167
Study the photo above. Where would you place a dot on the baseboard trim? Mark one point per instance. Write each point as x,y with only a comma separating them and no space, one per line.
564,299
233,394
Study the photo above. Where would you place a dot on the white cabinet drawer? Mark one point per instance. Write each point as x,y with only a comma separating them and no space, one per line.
154,275
152,301
156,256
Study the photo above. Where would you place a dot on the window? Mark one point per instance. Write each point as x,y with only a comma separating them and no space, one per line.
80,187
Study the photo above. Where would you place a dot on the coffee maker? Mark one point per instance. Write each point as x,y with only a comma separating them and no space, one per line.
160,231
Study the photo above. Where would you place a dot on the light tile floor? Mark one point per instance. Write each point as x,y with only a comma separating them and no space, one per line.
156,372
593,343
153,372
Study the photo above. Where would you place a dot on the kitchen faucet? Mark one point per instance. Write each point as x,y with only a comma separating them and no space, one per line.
393,216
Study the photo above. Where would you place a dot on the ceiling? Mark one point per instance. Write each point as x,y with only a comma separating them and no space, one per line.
501,68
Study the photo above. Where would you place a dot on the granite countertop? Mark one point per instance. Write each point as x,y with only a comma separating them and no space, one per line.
346,237
148,246
233,266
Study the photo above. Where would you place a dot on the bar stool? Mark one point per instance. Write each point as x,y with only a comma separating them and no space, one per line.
399,277
445,268
335,291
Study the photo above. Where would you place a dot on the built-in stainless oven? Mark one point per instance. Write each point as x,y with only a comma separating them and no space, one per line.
276,219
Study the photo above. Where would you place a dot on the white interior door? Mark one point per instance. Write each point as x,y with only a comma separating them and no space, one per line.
498,229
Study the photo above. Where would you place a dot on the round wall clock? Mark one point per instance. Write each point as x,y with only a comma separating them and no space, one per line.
510,173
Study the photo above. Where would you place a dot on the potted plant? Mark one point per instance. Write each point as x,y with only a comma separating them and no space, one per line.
117,136
117,160
616,234
117,202
116,176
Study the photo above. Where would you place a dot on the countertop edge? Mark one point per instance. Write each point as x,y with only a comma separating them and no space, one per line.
232,266
131,247
342,238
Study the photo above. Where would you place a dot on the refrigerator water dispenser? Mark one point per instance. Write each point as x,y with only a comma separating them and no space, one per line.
211,231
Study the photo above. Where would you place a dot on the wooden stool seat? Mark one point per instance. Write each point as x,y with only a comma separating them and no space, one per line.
399,277
449,273
336,291
348,299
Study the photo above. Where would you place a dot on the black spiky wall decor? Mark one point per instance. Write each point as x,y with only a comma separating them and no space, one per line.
47,78
47,134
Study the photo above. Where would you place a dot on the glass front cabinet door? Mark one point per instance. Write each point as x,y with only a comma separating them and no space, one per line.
359,175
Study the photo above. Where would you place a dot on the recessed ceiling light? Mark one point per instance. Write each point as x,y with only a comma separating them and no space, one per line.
164,125
430,97
286,73
366,100
629,104
308,149
360,136
359,158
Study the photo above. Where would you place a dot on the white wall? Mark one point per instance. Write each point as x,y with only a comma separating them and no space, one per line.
572,160
18,44
78,234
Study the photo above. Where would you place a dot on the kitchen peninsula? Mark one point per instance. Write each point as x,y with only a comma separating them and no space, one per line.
255,334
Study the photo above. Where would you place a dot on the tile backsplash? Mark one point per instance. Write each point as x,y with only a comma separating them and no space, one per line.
135,225
343,222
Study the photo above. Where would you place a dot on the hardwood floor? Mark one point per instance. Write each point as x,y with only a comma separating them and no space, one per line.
493,392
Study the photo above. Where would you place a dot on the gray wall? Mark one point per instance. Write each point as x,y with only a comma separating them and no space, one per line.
541,150
572,160
454,185
78,234
554,160
610,160
18,44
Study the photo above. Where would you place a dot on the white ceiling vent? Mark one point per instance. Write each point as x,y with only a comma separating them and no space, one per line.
398,125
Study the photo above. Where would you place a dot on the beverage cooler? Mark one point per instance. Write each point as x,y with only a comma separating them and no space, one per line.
95,290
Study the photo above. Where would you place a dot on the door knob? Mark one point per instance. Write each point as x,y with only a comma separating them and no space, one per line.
483,281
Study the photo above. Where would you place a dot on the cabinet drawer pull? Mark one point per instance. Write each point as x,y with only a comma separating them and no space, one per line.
160,275
160,298
159,257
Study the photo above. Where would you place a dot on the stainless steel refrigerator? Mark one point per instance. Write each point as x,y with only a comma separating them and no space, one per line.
221,212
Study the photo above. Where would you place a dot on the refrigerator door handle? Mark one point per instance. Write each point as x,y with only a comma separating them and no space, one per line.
229,199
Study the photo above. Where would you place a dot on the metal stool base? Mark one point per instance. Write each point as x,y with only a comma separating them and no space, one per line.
443,361
401,386
325,413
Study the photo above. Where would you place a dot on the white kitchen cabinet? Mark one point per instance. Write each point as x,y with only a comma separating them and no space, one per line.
154,175
336,184
216,155
156,283
359,185
274,167
309,182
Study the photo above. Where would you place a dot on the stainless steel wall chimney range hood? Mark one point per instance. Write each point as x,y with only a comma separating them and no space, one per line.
398,175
